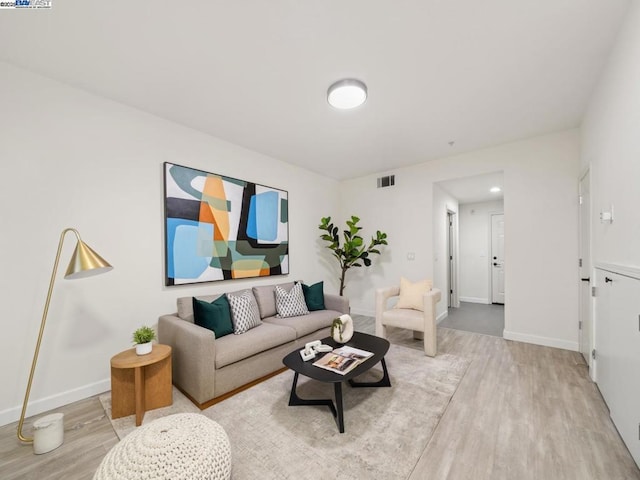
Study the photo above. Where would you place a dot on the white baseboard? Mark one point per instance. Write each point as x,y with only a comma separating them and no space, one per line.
544,341
442,316
475,300
54,401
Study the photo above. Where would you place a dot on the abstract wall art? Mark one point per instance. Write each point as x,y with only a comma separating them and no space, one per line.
222,228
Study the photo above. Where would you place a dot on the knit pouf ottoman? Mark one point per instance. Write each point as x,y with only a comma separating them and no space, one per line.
184,446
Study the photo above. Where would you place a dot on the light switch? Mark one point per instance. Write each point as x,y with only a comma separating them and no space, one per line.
606,217
411,256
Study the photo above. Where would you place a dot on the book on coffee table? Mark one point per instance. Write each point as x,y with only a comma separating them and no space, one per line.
342,359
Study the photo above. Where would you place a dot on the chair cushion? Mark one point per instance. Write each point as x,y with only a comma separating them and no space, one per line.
244,311
290,304
314,296
233,348
411,294
404,318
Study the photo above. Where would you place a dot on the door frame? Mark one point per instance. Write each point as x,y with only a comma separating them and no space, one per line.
453,300
590,328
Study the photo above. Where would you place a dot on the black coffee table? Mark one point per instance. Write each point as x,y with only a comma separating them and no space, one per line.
376,345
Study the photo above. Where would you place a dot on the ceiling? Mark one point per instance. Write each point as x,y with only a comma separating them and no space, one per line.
475,189
255,73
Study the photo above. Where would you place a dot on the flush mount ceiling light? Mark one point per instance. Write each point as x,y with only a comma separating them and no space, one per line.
495,189
347,93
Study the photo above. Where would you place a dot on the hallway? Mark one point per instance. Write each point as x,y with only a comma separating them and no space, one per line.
477,318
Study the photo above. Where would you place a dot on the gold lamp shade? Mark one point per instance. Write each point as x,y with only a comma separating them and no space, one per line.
85,262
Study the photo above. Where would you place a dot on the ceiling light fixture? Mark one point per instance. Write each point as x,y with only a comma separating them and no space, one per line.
347,93
495,189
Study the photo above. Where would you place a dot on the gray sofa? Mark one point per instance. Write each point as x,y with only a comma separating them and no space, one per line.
205,367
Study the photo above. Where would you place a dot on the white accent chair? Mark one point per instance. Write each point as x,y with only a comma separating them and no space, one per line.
422,323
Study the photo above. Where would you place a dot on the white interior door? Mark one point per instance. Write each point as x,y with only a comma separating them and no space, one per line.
585,324
624,325
617,345
497,258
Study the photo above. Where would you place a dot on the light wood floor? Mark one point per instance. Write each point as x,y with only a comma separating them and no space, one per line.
88,436
521,412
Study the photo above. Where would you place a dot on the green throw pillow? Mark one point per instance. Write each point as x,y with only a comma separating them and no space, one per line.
215,316
314,296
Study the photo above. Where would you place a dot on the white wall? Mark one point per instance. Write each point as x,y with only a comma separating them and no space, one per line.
540,176
611,145
475,250
443,203
73,159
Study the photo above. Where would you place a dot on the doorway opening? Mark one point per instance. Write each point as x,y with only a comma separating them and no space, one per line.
473,235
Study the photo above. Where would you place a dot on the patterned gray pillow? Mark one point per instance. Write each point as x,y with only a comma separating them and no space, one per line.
244,311
290,304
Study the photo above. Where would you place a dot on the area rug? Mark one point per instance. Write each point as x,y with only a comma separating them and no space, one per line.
125,425
386,429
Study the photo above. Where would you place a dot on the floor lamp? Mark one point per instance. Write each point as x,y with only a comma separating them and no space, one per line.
84,263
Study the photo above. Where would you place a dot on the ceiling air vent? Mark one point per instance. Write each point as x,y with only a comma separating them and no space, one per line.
388,181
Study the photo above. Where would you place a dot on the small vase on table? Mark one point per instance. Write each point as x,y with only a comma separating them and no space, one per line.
342,328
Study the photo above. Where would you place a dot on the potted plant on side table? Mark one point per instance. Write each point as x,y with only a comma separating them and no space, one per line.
142,338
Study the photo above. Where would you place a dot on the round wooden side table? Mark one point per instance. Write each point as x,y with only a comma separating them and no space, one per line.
140,382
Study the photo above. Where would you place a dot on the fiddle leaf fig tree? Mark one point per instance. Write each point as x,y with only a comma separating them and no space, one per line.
353,252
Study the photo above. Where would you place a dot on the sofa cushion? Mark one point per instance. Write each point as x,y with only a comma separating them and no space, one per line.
215,316
266,298
411,294
290,304
306,324
185,305
233,348
244,311
314,296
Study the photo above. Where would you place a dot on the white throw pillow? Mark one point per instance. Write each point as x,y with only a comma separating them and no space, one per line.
291,304
411,294
244,311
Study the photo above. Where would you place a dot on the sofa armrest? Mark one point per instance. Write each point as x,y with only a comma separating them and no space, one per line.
429,301
193,356
336,302
382,295
432,297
